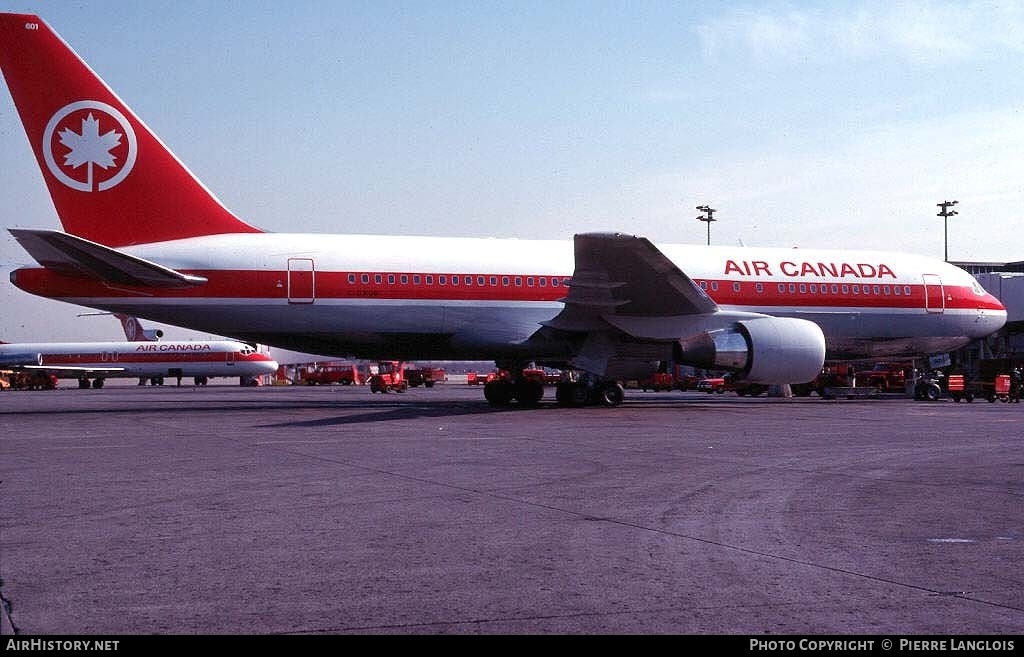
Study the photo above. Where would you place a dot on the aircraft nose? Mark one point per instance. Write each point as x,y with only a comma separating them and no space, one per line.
991,316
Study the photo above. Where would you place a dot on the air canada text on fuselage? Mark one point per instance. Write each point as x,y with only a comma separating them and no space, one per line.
810,269
187,346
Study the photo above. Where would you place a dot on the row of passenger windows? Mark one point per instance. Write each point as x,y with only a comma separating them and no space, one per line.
823,288
458,279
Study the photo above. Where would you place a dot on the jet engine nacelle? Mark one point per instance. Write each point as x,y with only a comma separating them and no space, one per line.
762,350
20,360
153,334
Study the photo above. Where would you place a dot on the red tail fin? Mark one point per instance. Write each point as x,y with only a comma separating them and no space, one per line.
111,179
134,332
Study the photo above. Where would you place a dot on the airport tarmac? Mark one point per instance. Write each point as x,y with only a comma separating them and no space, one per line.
133,510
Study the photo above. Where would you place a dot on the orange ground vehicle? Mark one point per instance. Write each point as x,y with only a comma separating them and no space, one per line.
837,375
474,379
331,373
424,376
27,380
886,376
658,382
994,380
671,377
712,385
1002,388
958,389
389,377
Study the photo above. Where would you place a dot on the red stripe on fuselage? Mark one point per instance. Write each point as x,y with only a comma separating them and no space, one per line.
245,284
108,358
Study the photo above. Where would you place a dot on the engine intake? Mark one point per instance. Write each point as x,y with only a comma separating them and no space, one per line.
763,350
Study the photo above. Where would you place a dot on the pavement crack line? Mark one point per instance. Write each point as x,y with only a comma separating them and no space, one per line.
632,525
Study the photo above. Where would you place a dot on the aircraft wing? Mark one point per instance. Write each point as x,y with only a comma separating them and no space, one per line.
627,302
70,254
621,279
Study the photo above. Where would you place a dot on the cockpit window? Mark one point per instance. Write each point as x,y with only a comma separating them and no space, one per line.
978,289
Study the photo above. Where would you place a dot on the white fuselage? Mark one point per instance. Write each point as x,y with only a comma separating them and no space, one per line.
466,298
203,358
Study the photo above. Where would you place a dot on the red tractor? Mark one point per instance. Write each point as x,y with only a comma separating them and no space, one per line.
886,376
389,377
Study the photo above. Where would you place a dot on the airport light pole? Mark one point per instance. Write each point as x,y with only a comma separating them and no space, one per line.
946,213
707,218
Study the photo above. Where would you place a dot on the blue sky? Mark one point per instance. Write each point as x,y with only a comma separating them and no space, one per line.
834,125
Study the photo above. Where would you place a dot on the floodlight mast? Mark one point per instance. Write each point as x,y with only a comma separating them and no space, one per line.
707,218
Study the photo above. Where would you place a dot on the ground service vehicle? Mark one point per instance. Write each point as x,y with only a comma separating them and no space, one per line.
389,377
929,386
713,385
886,376
959,389
1002,389
745,389
835,375
475,379
424,376
659,381
30,380
994,381
329,373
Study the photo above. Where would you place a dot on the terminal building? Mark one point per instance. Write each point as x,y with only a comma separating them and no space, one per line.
1005,281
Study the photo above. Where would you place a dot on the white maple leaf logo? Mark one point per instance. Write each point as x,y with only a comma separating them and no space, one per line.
90,147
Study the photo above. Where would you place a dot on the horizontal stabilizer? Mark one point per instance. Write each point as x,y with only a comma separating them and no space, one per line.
72,255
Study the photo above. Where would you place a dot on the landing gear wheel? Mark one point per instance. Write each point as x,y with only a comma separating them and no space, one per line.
612,393
528,393
572,393
498,392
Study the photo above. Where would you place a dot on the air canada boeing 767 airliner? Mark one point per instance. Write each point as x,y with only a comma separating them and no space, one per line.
143,236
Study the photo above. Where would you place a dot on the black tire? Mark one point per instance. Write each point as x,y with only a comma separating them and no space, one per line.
498,393
529,393
933,392
572,394
612,394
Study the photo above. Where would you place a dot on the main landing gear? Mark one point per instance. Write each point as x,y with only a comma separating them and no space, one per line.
578,390
503,390
589,391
